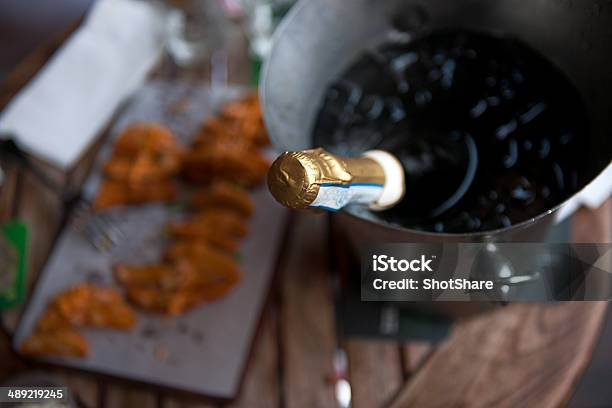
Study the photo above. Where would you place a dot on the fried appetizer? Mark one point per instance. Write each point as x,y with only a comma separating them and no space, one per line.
53,319
188,265
233,160
142,168
54,335
208,223
192,273
227,147
214,130
162,276
116,193
219,240
145,158
239,120
212,265
176,302
144,152
84,305
247,114
224,195
93,306
66,342
182,274
145,136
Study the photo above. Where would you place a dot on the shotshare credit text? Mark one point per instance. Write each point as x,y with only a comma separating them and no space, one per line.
385,263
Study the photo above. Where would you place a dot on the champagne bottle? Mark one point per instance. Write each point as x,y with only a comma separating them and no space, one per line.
316,179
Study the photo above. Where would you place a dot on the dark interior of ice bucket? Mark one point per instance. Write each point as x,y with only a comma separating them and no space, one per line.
569,37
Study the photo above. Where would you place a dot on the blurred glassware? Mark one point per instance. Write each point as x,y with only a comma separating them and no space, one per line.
196,29
203,37
263,16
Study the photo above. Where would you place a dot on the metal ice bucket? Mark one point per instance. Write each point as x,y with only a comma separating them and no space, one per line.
318,39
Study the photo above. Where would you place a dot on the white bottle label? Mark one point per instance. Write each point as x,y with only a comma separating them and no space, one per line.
333,197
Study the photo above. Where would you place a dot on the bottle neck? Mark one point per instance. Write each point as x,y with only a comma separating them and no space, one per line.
317,179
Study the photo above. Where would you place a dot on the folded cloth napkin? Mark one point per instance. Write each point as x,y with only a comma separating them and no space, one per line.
61,111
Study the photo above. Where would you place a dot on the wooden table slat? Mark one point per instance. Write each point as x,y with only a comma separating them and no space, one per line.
9,365
516,356
8,190
415,354
375,372
261,387
84,387
124,395
169,401
307,322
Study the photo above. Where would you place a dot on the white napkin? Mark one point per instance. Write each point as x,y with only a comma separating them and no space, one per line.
61,111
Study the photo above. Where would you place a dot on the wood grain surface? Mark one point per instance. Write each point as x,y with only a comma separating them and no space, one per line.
261,385
414,355
522,355
307,337
366,357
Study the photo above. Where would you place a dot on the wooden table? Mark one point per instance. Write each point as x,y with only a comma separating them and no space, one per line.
520,355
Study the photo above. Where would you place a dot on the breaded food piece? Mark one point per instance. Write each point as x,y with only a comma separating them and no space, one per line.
145,136
116,193
111,194
66,342
83,305
144,152
142,168
245,106
118,168
174,303
239,120
167,302
93,306
247,113
161,275
231,161
224,195
223,130
214,130
188,265
210,222
212,264
52,320
192,273
219,240
227,147
154,166
163,191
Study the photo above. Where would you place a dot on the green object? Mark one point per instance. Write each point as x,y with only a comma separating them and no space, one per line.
256,64
13,251
279,9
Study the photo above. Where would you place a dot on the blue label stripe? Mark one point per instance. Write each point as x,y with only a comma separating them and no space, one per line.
324,208
351,185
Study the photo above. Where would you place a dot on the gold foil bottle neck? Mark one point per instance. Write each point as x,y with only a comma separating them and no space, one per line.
295,178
